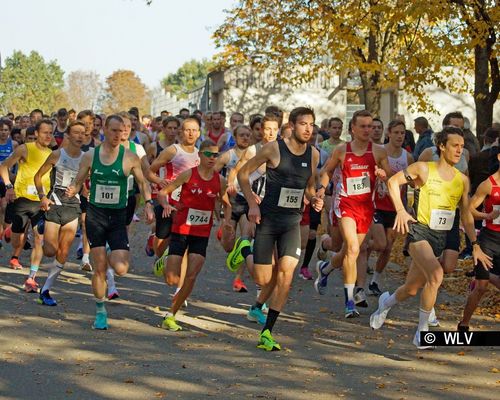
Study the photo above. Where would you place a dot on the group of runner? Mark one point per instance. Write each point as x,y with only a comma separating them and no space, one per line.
268,184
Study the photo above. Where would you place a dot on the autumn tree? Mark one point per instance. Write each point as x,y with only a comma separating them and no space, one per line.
124,89
83,89
387,43
189,76
28,82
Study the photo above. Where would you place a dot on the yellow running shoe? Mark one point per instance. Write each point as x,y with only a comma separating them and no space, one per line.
170,324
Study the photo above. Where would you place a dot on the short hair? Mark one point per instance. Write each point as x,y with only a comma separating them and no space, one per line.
134,111
196,112
206,143
269,118
360,114
256,119
113,117
62,112
239,127
221,113
125,115
490,135
31,130
85,113
441,138
189,119
72,111
422,121
183,109
379,120
164,112
449,116
45,121
335,119
36,110
166,121
149,116
97,116
300,111
4,122
394,123
15,131
197,118
274,110
238,113
75,123
17,118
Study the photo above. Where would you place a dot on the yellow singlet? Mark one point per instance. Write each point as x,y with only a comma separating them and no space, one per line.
25,185
438,199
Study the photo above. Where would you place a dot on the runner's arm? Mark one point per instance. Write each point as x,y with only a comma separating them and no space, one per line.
164,157
426,155
326,172
224,199
181,179
17,155
46,167
83,173
483,190
222,161
222,140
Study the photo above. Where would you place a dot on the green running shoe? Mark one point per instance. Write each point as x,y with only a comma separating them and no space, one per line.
267,342
235,259
170,324
159,265
101,320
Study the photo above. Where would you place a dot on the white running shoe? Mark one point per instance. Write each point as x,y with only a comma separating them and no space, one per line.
377,319
416,341
433,321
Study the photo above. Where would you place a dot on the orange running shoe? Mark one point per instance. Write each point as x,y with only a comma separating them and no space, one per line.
15,264
239,286
30,286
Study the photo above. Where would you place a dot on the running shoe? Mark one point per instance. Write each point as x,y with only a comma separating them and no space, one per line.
78,233
135,218
40,226
322,254
377,319
86,267
267,342
235,259
149,246
27,245
6,234
15,264
465,255
101,320
170,324
46,300
462,328
350,310
256,315
113,294
30,286
79,253
185,303
305,274
433,321
322,280
416,342
360,298
239,286
373,289
369,270
159,265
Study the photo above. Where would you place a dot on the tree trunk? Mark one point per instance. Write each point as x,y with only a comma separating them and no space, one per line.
371,92
482,95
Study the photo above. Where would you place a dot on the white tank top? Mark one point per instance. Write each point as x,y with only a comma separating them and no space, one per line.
181,162
64,173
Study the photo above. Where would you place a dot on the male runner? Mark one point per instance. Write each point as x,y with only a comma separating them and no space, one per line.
290,173
61,212
109,165
30,157
441,189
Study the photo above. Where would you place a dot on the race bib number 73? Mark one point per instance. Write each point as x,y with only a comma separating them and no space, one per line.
442,220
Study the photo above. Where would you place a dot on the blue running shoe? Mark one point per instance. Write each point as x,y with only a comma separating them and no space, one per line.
350,310
322,279
40,226
46,300
79,253
256,315
101,319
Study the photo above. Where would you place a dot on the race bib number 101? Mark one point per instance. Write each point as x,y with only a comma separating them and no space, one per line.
105,194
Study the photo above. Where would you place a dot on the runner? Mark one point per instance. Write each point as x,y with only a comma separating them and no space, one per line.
61,126
378,131
290,173
382,232
30,157
61,212
361,162
109,165
489,239
200,187
441,189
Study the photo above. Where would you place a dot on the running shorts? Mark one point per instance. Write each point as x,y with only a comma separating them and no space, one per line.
361,213
25,210
385,218
63,214
163,225
490,244
239,207
436,239
193,244
107,225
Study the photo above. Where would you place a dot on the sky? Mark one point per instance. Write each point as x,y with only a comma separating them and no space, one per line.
106,35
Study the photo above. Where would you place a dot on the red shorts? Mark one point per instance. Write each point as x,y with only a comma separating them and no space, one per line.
306,216
361,213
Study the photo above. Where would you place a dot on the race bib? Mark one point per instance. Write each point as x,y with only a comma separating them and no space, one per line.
290,198
31,189
176,194
442,220
105,194
358,185
68,177
496,221
161,173
130,183
198,217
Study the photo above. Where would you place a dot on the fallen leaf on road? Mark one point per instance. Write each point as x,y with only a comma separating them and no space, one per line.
495,370
380,385
129,380
461,353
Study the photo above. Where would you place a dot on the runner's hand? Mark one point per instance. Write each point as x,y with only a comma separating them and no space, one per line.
167,211
45,203
402,220
163,184
231,190
71,191
256,198
380,173
254,214
479,255
10,195
317,203
493,215
149,213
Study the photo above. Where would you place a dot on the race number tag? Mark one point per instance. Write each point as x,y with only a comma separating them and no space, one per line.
496,221
161,172
198,217
105,194
290,198
67,178
130,183
31,189
176,194
442,220
358,185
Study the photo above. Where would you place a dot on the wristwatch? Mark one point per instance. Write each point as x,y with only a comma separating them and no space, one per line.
9,186
474,242
149,201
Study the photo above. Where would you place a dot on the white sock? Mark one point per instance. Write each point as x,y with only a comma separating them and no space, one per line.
85,258
390,301
80,245
177,290
349,288
54,271
110,278
423,320
376,277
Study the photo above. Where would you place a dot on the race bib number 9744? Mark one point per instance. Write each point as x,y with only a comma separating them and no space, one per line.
290,198
198,217
442,220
